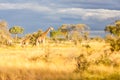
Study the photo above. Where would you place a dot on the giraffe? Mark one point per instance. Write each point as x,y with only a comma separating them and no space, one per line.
41,37
25,41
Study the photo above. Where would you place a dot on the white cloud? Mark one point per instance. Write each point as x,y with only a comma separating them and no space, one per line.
29,6
99,14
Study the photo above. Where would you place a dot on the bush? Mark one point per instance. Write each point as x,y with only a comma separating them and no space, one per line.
104,59
114,43
82,63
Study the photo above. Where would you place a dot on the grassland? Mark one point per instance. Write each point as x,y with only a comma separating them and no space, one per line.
65,61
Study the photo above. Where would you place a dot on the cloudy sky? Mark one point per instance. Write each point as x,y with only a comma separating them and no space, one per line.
40,14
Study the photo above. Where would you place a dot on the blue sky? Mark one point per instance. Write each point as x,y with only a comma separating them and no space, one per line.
33,15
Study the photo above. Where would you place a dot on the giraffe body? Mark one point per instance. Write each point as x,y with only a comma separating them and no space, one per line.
25,42
41,38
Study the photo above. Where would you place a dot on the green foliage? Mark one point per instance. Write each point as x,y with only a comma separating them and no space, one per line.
55,33
16,30
114,29
114,42
34,36
115,39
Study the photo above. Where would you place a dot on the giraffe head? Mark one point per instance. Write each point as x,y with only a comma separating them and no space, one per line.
51,28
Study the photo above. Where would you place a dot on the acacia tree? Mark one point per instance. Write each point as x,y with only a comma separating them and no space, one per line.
114,29
114,40
71,30
16,30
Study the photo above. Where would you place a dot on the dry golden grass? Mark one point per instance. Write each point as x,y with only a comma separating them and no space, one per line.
55,62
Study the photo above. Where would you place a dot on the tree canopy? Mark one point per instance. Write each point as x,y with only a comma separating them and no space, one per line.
114,40
16,30
114,29
71,30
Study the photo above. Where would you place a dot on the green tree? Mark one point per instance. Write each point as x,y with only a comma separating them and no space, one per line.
16,30
55,34
71,30
114,40
114,29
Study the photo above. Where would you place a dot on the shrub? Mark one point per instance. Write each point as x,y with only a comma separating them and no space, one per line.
114,43
82,63
103,59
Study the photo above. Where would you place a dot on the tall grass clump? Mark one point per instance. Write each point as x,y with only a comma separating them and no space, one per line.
82,63
114,43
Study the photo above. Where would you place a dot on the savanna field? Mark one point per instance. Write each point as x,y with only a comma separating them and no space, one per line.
88,60
59,39
69,53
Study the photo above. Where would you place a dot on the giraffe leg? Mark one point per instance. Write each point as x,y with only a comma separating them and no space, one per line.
43,41
24,44
37,42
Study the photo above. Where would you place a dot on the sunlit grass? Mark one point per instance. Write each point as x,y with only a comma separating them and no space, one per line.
58,62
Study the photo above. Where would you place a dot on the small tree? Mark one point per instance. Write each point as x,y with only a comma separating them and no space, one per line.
16,30
114,29
114,40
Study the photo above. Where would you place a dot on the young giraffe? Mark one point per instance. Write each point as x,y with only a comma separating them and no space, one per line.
25,41
41,38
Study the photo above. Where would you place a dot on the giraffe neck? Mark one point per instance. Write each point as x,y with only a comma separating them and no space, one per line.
46,32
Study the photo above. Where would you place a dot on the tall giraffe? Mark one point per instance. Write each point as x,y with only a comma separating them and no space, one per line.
41,37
